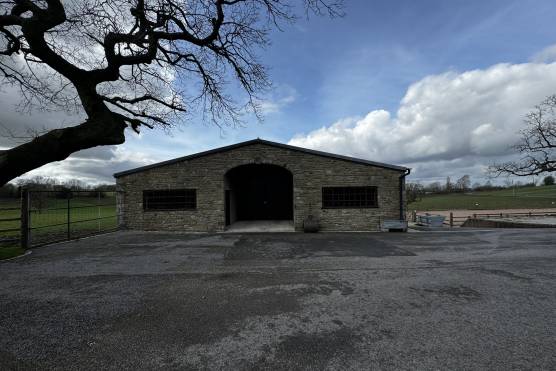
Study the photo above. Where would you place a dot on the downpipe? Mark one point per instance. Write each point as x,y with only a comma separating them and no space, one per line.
402,182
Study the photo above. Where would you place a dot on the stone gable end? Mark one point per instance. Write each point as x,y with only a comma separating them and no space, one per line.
310,173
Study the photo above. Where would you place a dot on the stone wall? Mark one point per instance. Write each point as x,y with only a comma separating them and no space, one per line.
310,174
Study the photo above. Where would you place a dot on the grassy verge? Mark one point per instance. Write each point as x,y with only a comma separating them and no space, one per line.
10,252
541,197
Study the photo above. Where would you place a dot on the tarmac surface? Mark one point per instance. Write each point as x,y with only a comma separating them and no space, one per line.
465,299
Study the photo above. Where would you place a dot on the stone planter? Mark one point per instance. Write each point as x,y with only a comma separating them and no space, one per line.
311,224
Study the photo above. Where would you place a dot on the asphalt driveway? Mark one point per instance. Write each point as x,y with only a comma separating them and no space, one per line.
425,300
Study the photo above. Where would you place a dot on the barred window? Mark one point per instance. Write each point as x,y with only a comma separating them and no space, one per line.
349,197
170,199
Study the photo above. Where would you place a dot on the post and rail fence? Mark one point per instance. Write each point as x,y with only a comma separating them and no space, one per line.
456,221
40,217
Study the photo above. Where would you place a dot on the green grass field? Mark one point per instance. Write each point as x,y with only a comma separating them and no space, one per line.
541,197
49,219
10,252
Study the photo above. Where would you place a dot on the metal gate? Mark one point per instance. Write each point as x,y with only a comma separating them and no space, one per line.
54,216
10,223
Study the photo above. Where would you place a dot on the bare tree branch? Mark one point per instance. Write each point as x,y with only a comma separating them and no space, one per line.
537,145
134,63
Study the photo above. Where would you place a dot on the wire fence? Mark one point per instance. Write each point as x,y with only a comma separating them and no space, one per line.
10,222
42,217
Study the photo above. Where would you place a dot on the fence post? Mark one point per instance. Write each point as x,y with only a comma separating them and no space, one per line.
98,210
24,226
120,210
451,219
69,229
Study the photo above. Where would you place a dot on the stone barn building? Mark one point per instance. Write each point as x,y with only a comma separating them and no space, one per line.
260,180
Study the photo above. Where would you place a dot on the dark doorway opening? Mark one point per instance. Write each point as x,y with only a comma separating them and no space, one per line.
259,192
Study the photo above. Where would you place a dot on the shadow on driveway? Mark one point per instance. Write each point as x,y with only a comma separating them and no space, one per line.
137,300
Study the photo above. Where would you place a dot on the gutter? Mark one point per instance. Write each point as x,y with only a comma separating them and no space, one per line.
402,180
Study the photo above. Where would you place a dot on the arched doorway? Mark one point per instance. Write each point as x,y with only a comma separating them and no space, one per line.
258,192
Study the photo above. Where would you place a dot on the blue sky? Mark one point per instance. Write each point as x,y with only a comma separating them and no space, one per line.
334,73
366,60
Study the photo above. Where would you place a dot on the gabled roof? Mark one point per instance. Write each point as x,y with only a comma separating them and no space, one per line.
268,143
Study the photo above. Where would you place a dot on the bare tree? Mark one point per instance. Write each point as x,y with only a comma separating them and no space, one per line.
414,192
434,187
131,63
449,185
39,199
463,184
537,144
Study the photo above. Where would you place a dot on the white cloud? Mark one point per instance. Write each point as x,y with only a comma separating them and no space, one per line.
93,166
547,55
282,96
451,122
18,124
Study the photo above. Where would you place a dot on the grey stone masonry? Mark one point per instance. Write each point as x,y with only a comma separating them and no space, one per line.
310,171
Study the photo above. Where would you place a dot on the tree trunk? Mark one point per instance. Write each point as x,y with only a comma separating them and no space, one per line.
58,144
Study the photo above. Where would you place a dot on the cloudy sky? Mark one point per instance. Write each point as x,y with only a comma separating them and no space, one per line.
439,86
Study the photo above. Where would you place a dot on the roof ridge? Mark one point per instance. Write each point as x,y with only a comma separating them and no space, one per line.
261,141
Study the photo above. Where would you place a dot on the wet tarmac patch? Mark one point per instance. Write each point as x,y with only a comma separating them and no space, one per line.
300,246
314,350
454,292
283,283
205,241
438,262
506,274
317,288
201,312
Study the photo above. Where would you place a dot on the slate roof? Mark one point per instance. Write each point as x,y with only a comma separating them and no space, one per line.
268,143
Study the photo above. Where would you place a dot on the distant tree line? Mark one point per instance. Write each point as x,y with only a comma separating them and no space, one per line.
59,189
416,191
